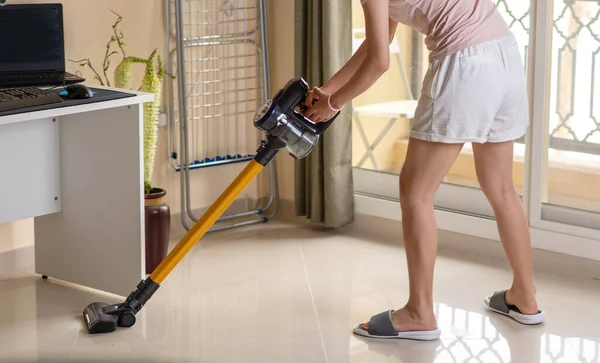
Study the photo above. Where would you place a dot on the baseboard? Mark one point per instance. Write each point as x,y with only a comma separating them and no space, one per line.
17,258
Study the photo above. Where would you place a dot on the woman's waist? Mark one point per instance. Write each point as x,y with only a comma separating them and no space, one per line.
444,42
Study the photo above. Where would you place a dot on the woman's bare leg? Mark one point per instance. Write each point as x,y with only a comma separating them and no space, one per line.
424,169
494,165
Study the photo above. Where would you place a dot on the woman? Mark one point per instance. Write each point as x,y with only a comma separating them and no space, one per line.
474,91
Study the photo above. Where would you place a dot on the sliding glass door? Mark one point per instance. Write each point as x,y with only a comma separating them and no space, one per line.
556,165
566,147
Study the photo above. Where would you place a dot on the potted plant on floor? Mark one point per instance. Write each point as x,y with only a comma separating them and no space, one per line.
157,211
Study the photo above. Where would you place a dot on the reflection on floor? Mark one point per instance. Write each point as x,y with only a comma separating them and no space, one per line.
288,293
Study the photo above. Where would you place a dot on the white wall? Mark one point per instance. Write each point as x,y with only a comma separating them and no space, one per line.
16,235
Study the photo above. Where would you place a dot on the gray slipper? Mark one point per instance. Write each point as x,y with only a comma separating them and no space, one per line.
497,303
380,327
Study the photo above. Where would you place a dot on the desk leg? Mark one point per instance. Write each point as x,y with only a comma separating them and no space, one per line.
97,239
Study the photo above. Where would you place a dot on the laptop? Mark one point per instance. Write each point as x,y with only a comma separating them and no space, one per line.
32,49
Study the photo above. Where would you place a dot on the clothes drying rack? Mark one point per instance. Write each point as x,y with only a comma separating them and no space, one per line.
218,51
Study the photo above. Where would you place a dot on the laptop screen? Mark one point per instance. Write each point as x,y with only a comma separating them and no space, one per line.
31,38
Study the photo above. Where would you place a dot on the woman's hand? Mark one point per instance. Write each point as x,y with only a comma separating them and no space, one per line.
311,98
318,103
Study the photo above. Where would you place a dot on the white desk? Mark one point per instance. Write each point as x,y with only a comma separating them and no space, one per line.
78,171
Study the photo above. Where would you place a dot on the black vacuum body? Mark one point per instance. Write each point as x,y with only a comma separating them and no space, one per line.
281,118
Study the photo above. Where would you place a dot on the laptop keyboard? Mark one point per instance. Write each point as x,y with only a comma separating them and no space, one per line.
14,94
20,98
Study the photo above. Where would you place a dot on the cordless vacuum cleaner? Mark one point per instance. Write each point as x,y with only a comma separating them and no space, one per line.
281,118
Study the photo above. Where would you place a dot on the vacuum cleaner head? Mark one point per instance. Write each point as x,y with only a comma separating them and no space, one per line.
97,320
104,318
282,117
101,317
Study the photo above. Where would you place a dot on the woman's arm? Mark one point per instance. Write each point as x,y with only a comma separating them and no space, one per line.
345,73
377,59
375,62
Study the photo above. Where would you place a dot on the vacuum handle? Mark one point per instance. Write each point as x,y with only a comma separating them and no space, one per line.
317,128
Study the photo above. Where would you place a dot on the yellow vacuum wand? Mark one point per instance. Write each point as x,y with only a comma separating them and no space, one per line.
282,120
206,221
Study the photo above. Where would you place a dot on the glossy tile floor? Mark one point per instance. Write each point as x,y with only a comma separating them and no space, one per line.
288,293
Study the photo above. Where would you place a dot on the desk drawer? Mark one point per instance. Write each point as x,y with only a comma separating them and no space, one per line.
29,169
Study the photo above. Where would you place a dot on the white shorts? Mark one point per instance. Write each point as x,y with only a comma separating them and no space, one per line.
476,95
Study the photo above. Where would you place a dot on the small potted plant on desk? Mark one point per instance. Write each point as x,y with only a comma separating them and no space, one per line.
157,211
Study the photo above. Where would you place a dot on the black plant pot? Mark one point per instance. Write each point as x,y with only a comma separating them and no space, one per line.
158,227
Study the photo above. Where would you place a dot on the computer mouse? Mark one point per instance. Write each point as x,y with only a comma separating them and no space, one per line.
79,91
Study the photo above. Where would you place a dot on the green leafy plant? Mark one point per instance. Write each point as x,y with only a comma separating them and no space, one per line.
151,82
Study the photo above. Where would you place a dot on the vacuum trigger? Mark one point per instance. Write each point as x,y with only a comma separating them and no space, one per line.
303,107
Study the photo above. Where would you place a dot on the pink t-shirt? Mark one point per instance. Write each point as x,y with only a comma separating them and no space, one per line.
450,25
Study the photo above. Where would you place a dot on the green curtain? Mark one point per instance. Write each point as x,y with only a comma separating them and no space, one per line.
323,43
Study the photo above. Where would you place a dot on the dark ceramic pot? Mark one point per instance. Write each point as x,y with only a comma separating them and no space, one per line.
158,226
